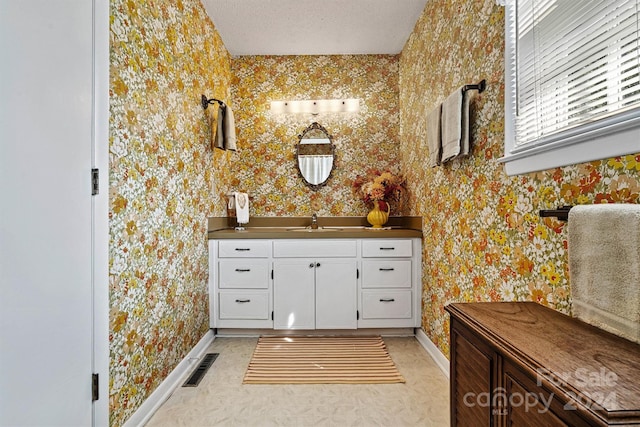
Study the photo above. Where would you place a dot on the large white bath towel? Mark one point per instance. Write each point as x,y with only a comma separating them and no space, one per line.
604,266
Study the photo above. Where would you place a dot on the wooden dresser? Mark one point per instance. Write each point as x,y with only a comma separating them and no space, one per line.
523,364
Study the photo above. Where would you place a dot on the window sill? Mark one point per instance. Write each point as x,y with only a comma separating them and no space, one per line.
620,143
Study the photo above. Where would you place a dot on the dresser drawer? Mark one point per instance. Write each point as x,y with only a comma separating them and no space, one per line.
242,248
386,248
386,273
321,248
243,273
392,304
244,305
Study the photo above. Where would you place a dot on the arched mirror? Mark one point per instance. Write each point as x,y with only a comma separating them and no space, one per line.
315,155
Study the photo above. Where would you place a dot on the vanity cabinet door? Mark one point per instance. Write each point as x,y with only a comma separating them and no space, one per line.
315,293
294,294
336,294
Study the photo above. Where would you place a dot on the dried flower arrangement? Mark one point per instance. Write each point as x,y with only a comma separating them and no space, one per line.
381,186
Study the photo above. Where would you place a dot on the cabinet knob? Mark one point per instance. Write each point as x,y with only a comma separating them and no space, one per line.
311,265
318,264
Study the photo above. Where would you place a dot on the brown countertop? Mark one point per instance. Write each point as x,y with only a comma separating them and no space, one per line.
328,228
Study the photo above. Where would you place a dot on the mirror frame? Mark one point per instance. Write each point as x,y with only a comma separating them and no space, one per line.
311,127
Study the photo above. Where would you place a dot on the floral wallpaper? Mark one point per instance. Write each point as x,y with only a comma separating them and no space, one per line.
163,181
483,237
265,165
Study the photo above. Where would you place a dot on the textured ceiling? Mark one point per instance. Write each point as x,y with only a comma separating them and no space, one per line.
314,27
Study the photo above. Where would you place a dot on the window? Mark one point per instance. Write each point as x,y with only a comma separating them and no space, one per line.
572,86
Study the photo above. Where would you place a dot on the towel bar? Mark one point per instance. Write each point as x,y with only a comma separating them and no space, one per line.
562,212
480,87
205,102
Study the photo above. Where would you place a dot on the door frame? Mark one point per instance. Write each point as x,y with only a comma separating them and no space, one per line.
100,209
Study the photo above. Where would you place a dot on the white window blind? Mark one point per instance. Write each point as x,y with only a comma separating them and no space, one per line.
572,78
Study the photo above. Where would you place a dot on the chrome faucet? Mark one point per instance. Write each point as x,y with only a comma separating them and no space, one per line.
314,222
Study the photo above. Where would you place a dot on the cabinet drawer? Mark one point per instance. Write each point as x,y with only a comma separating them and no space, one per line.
386,274
244,305
249,273
316,249
242,248
392,304
386,248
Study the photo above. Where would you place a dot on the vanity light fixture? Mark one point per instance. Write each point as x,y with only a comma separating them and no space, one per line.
315,106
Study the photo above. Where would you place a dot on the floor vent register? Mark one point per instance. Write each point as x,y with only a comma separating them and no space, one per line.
201,370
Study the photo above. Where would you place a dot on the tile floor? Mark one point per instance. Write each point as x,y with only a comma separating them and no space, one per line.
222,400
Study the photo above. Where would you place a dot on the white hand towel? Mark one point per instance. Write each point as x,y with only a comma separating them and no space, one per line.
434,140
604,266
242,207
452,126
229,124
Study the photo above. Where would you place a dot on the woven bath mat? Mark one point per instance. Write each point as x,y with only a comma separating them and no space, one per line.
321,360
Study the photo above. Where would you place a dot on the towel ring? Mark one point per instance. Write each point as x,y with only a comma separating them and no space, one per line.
205,102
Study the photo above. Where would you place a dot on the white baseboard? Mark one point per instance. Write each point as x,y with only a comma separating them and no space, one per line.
385,332
144,413
434,352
